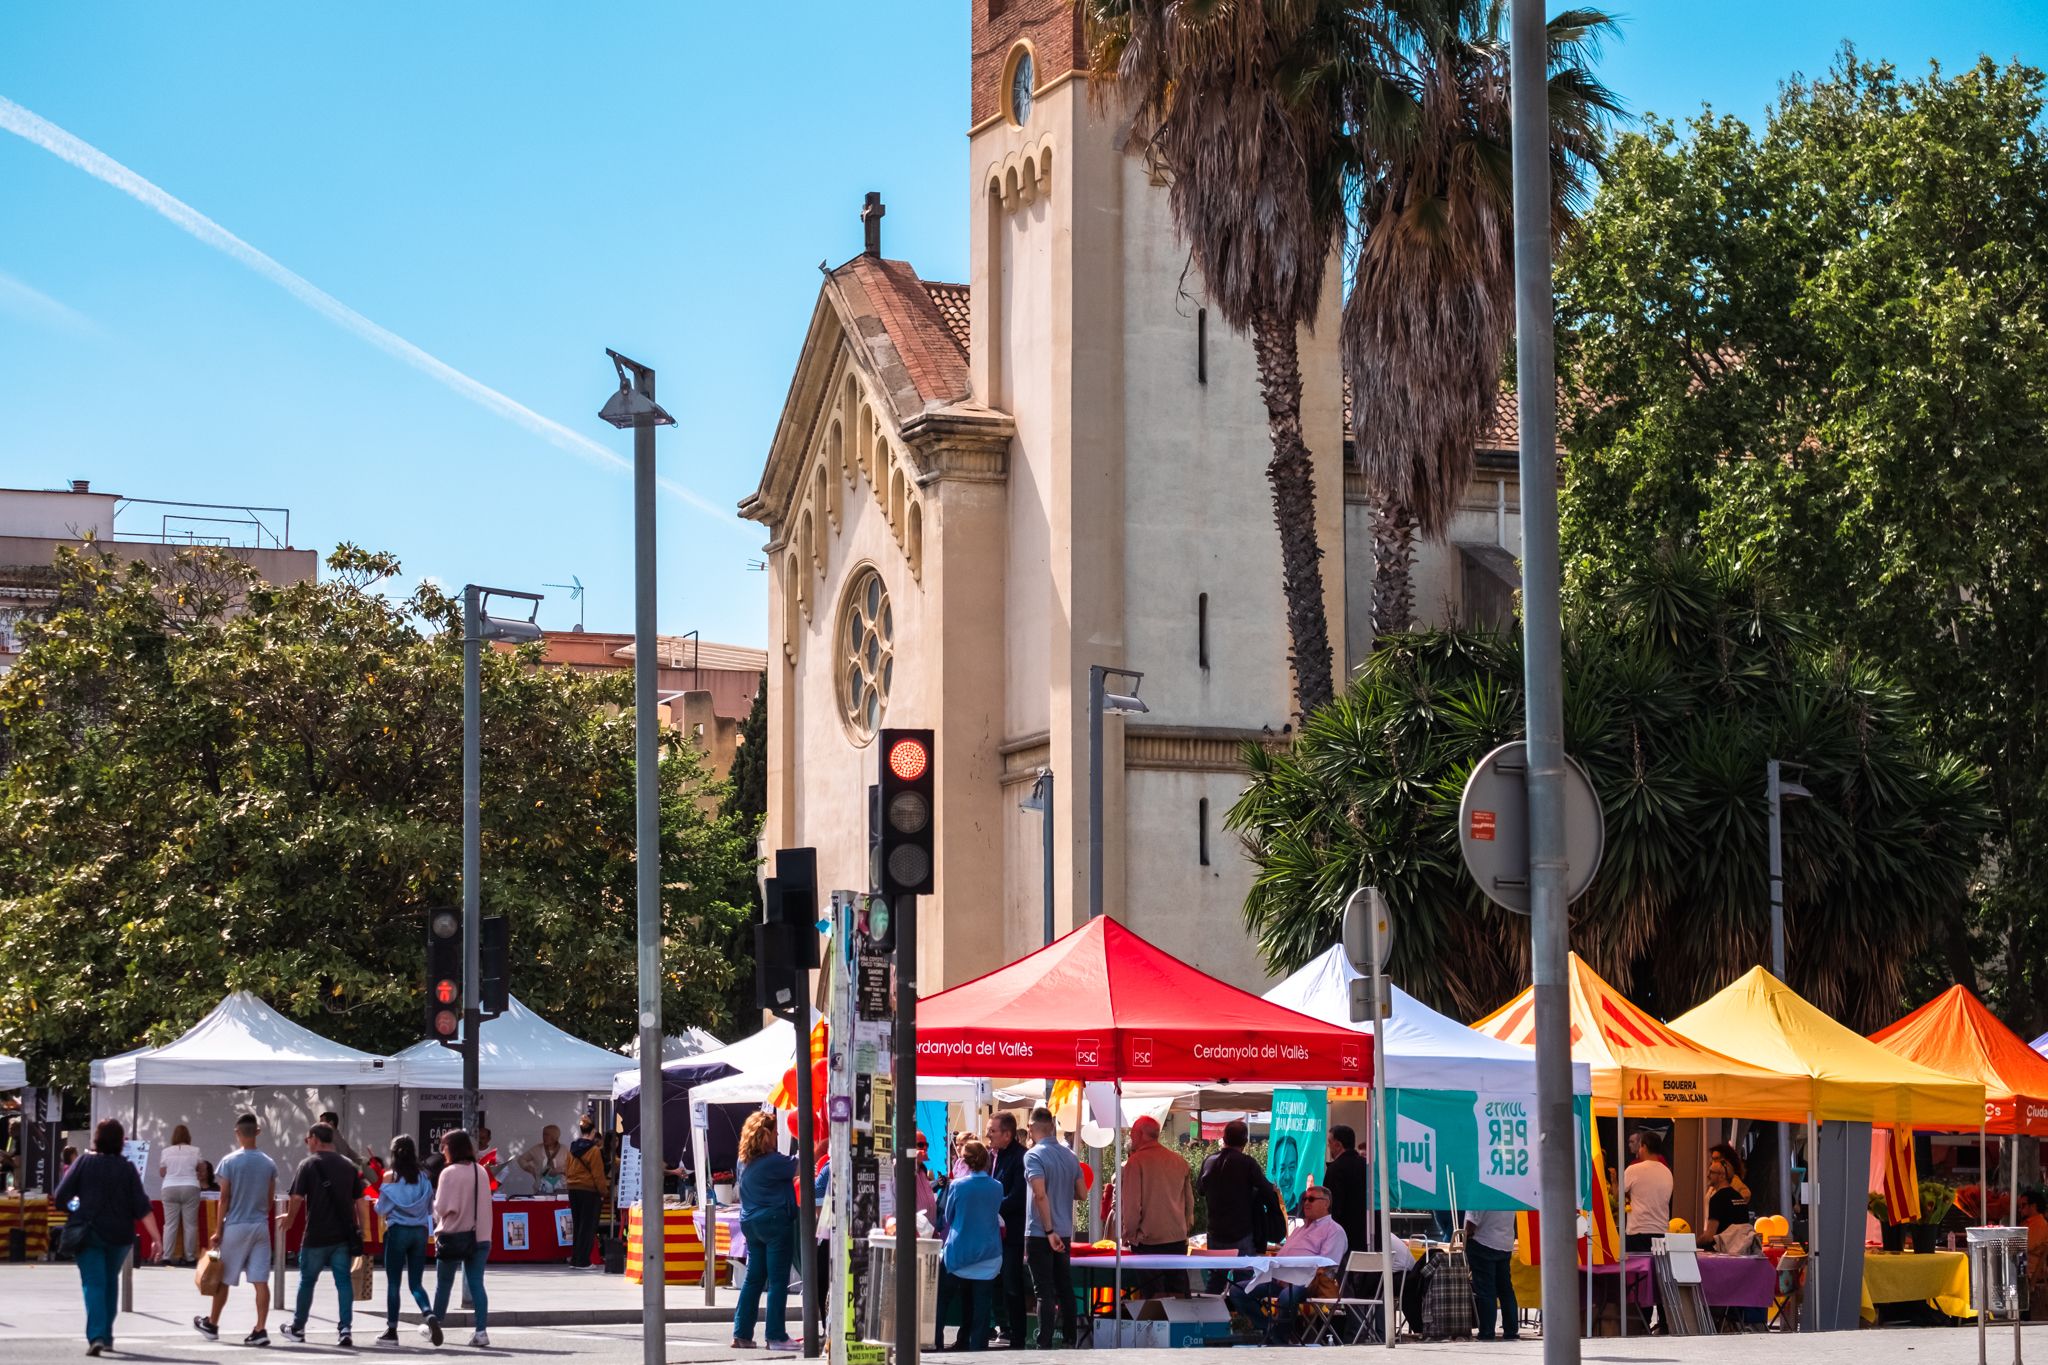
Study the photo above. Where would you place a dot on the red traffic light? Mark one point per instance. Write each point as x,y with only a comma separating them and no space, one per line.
446,992
908,759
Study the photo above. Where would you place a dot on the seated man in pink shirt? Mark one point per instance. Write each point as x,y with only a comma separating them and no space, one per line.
1318,1235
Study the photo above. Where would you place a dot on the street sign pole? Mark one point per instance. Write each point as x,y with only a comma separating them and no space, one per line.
1368,944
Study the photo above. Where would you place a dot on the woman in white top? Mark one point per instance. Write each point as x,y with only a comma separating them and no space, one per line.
179,1170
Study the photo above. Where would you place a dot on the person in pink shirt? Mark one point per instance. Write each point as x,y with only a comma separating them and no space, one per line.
462,1233
1319,1235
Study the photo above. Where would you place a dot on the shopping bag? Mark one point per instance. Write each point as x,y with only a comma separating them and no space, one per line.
209,1276
365,1277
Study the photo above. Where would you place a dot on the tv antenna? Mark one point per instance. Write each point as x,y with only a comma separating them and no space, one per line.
575,588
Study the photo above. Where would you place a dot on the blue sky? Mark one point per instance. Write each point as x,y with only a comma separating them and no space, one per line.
513,187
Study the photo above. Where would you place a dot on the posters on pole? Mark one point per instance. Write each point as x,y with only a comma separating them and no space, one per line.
137,1152
1469,1150
629,1173
1296,1148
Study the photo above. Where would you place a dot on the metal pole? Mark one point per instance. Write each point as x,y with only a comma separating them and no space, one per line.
472,846
1386,1227
1775,790
1045,838
1812,1312
1535,367
908,1334
647,866
1620,1218
806,1165
1096,673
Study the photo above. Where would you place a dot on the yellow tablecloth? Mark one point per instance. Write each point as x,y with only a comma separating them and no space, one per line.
1940,1277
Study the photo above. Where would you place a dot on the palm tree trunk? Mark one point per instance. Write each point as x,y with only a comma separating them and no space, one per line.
1291,473
1393,570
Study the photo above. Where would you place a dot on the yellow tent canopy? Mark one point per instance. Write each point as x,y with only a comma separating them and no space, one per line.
1764,1021
1648,1067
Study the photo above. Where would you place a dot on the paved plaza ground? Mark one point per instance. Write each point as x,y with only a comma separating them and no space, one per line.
41,1317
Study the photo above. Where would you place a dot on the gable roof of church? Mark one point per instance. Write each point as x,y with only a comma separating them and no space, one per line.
914,316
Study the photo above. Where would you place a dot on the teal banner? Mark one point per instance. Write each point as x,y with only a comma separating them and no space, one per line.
1297,1145
1458,1148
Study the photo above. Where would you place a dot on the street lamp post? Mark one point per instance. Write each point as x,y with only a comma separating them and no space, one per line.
478,625
1101,702
633,407
1777,788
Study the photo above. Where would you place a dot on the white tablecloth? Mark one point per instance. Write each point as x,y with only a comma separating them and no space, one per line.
1286,1269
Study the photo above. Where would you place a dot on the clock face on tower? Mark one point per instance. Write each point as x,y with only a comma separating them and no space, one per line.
1020,88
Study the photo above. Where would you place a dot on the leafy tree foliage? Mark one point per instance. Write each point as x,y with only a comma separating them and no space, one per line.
214,784
1824,347
1679,682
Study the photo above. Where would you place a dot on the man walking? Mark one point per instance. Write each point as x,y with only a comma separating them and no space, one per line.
330,1189
248,1192
1008,1169
341,1144
1051,1172
1489,1246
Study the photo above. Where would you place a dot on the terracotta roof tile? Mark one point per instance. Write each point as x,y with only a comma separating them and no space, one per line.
952,302
924,337
1503,430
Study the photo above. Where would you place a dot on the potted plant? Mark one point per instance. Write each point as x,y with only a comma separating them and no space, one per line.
1892,1234
1935,1199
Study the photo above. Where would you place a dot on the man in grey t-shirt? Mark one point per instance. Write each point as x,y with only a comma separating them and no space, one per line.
248,1192
1051,1174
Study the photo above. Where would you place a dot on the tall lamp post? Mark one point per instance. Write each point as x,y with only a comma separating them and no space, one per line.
1102,702
633,408
1039,799
1778,789
479,625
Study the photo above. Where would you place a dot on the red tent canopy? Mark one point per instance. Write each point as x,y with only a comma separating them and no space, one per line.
1102,1004
1955,1033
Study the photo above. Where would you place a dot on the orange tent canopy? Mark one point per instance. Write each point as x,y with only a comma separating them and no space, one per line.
1955,1033
1649,1067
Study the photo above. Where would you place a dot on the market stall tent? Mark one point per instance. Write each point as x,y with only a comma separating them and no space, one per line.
1102,1004
1649,1068
755,1054
13,1075
1763,1021
1953,1033
245,1056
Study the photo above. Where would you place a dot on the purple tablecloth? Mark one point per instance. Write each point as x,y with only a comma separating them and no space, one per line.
1725,1281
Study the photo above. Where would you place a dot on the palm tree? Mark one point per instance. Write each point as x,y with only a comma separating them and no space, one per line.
1237,103
1431,306
1679,683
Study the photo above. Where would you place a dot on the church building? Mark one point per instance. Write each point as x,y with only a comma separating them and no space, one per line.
978,492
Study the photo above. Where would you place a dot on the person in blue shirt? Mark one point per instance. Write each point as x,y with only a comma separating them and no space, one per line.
405,1201
248,1192
100,1232
768,1222
1051,1173
974,1241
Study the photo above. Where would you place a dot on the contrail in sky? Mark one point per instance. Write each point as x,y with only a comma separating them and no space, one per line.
100,166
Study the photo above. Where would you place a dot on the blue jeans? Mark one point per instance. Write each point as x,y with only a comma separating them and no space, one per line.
472,1276
315,1261
1287,1301
99,1273
405,1253
771,1240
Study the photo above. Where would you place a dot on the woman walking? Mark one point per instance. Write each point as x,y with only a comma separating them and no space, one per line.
768,1222
178,1168
584,1176
100,1232
974,1243
405,1201
462,1240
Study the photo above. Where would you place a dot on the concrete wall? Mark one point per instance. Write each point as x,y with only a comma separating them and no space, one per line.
56,514
280,567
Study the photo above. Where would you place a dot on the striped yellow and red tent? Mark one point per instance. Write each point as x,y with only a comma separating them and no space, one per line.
1648,1067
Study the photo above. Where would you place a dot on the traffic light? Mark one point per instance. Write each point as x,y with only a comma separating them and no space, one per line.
444,973
786,940
494,951
909,779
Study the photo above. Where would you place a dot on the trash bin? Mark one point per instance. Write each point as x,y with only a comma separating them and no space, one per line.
1998,1271
878,1306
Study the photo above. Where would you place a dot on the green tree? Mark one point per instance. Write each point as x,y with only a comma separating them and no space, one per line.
1824,347
213,784
1239,106
1679,681
1432,298
746,805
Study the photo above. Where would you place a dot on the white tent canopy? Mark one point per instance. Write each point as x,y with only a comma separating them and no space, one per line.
773,1047
517,1051
243,1042
1424,1050
13,1075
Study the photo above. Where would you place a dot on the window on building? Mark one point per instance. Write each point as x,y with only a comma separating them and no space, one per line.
1202,629
1202,830
867,662
1201,345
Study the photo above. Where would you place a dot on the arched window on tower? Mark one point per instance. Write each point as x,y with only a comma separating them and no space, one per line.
896,501
914,540
790,625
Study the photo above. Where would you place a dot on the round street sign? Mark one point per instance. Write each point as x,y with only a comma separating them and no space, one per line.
1368,931
1493,827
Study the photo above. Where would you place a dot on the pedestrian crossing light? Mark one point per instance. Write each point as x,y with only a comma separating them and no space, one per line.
908,801
444,973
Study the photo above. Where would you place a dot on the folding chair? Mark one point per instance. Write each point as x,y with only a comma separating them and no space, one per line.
1363,1313
1784,1316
